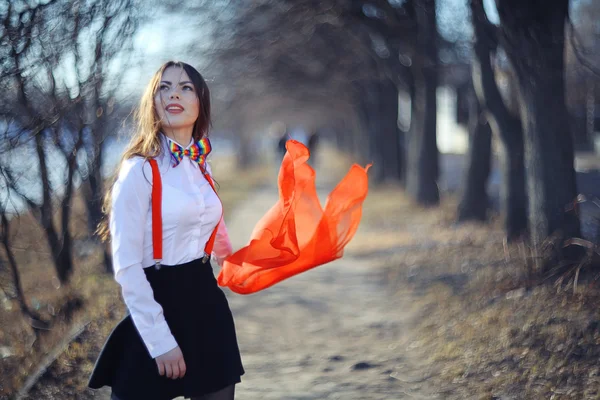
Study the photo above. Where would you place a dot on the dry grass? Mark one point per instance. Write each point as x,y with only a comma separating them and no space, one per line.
480,330
92,295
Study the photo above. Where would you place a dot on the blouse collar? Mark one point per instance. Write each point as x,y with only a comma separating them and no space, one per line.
169,140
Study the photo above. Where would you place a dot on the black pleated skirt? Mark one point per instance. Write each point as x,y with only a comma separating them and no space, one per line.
199,317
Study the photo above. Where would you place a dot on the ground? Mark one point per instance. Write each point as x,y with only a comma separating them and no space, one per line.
334,332
418,308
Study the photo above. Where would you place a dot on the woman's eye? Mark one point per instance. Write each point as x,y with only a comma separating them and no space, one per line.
187,87
164,87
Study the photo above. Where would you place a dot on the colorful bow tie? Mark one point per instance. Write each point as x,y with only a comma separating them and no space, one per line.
196,152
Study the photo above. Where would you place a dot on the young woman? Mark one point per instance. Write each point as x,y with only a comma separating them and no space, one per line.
179,338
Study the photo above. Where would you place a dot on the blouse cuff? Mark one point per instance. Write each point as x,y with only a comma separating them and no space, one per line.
160,340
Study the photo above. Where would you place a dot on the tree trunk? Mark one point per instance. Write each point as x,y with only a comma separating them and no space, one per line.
505,125
61,255
361,141
422,166
475,201
12,263
358,143
586,142
95,192
513,189
376,145
64,254
534,36
390,134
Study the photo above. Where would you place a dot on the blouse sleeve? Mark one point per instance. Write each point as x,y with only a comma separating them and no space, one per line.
130,207
222,247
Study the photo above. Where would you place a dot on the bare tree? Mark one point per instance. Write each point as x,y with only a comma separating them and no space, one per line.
291,50
341,52
6,240
475,202
582,75
388,33
56,105
506,125
533,35
112,44
423,165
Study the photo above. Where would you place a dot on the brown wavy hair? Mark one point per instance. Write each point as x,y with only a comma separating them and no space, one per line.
146,139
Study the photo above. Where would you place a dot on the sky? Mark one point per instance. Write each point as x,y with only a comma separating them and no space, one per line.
155,43
167,37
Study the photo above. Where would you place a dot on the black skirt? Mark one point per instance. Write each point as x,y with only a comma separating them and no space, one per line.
199,317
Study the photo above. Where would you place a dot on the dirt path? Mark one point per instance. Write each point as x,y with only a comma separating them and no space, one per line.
331,333
341,331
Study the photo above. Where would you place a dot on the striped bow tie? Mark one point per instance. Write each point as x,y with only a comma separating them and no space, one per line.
196,152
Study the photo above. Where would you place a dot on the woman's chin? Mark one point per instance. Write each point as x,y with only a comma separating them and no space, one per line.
177,125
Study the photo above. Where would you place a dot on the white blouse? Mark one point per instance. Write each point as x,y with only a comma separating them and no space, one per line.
190,212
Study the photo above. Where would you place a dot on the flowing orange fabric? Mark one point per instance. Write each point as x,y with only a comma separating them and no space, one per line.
297,234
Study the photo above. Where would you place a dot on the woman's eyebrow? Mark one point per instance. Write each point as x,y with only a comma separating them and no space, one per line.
181,83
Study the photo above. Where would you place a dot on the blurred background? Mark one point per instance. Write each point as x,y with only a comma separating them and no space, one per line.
481,119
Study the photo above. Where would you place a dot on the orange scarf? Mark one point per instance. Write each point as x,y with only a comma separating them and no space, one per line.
297,234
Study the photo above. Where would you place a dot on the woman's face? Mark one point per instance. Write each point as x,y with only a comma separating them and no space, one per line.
176,101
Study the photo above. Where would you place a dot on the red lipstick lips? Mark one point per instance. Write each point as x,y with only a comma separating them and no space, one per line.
174,108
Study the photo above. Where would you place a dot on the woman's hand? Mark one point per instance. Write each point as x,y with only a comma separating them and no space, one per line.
171,363
221,260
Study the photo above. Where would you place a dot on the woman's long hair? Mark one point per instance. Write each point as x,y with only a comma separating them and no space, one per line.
146,141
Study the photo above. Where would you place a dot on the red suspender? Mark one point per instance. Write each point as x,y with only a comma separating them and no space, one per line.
157,239
211,240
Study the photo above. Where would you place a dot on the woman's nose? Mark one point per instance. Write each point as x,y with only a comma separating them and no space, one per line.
174,95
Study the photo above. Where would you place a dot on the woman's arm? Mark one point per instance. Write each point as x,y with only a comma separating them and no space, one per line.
130,207
222,247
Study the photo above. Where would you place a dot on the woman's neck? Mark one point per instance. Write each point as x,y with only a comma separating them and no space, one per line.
182,136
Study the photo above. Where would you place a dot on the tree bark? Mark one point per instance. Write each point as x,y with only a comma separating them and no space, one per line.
474,203
94,193
534,40
422,167
391,145
12,262
369,104
60,249
64,254
505,125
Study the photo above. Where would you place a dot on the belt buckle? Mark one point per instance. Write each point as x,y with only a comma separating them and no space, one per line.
205,258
